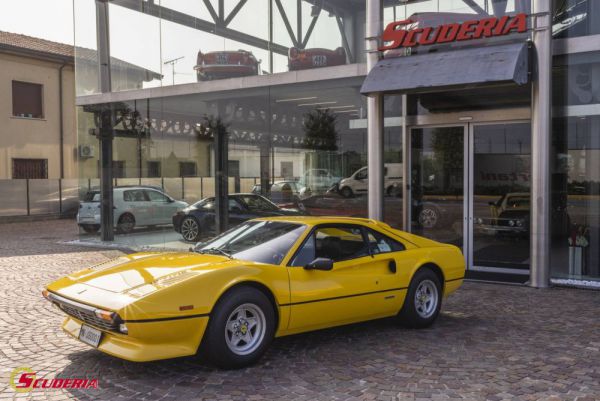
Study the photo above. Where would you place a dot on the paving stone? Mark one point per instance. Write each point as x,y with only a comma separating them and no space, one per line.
491,342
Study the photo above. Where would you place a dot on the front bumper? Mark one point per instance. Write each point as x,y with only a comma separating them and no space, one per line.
148,341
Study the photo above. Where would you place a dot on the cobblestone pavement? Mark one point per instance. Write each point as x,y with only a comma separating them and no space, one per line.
491,342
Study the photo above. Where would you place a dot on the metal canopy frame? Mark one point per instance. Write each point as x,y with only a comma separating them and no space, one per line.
220,21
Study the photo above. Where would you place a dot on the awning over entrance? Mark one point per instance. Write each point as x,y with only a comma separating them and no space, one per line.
465,68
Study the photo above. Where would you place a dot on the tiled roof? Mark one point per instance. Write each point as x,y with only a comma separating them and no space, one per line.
18,41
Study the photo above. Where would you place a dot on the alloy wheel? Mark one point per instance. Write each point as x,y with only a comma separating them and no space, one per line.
190,229
426,298
245,329
428,218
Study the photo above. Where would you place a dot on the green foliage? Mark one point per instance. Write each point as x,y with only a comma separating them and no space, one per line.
320,130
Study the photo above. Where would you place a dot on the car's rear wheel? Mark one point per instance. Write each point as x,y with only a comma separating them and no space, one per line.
240,329
126,223
190,229
423,300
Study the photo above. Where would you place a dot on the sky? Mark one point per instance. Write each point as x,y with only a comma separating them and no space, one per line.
48,19
151,43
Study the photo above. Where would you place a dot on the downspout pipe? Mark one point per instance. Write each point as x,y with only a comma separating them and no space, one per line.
61,120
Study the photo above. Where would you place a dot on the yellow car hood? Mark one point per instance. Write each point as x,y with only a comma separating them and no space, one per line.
117,283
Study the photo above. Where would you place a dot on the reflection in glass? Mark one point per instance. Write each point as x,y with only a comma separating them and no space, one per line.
438,183
501,195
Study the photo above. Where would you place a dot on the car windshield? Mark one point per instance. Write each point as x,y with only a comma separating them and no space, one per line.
258,241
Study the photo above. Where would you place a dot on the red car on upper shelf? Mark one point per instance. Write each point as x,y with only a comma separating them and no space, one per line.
303,59
226,64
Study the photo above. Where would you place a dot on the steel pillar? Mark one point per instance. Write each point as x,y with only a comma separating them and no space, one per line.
106,133
541,129
374,113
221,176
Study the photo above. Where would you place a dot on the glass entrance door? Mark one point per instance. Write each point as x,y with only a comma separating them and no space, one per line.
438,183
470,187
500,196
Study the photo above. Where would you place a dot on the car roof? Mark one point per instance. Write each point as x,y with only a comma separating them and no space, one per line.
314,220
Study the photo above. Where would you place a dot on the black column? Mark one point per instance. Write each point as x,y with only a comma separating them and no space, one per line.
106,174
221,174
107,119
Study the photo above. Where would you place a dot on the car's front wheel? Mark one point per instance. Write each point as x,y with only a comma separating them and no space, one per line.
190,229
423,299
240,329
347,192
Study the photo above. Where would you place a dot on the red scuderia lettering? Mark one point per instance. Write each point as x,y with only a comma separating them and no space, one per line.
397,35
466,30
498,31
411,38
92,384
427,38
518,24
26,380
485,28
394,34
448,33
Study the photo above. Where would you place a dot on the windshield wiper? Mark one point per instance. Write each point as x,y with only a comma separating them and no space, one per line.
215,250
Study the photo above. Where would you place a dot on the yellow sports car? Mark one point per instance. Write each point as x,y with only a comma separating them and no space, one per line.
265,278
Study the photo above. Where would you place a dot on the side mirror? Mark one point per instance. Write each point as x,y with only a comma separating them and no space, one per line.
170,200
320,264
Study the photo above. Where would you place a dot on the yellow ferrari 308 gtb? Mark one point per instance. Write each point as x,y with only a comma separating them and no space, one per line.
265,278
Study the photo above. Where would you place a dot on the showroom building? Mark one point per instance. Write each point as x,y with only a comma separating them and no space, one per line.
472,122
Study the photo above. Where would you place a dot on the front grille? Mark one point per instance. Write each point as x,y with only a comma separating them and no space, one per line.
83,312
89,318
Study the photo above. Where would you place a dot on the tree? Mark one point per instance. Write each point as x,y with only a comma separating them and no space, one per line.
320,130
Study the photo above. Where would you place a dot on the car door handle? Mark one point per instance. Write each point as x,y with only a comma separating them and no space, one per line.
392,266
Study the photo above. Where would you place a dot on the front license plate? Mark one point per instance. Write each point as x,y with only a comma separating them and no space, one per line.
90,335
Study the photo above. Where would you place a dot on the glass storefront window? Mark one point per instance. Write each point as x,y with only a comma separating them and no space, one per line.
576,169
179,42
575,18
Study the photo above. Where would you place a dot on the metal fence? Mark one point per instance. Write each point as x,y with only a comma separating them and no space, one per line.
31,197
39,197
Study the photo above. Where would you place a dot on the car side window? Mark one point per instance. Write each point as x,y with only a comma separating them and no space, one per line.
234,206
134,195
306,254
362,175
340,242
155,196
379,243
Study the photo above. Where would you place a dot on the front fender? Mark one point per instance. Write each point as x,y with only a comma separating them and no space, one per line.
198,295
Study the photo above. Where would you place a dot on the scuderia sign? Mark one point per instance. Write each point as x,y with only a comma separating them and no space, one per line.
401,34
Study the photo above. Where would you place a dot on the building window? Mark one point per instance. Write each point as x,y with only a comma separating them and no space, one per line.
30,168
118,169
187,169
154,169
27,100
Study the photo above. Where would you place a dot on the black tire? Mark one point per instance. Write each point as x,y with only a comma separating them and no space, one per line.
413,313
90,228
347,192
217,344
126,223
190,229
